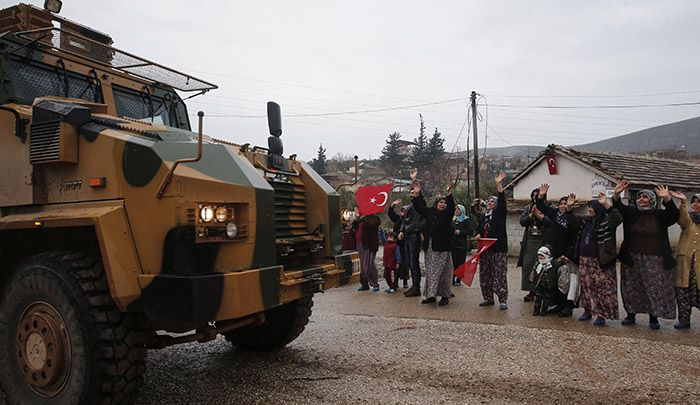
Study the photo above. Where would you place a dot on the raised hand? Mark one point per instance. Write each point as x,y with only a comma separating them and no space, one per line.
678,195
570,201
544,188
662,191
414,174
501,176
396,202
603,200
620,187
537,213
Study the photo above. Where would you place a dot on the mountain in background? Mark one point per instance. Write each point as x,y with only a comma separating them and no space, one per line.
681,135
678,136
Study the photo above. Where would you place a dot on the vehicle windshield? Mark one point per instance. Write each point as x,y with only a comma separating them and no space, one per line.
161,107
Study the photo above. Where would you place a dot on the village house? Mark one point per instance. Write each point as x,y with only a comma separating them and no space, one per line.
585,174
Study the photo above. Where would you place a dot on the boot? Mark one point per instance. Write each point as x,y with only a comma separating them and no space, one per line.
538,305
412,292
544,309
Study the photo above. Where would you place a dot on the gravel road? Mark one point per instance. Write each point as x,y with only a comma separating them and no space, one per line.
384,348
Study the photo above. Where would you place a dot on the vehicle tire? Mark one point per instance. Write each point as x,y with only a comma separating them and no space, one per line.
62,339
282,325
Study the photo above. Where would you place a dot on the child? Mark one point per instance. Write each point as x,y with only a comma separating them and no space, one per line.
544,275
392,261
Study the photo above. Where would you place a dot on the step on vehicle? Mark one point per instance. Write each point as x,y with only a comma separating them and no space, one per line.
122,230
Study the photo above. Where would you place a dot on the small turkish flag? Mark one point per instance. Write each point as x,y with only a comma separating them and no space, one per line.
372,199
552,164
466,271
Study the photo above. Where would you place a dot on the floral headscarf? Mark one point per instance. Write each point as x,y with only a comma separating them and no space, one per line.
652,200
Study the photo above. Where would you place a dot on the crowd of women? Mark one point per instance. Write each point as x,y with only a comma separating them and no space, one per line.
567,260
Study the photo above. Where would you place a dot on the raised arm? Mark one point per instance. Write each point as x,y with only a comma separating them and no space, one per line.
450,201
393,216
684,216
671,212
526,216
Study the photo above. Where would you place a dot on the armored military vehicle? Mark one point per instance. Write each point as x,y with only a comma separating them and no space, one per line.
121,230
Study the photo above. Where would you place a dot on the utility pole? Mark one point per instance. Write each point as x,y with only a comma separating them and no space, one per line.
476,147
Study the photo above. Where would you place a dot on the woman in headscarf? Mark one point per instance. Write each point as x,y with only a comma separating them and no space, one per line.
560,236
687,280
438,257
535,224
493,265
646,274
463,229
596,254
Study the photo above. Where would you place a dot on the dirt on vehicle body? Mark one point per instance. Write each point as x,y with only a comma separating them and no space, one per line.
123,230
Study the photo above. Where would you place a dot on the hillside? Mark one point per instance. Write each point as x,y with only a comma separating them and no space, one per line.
664,137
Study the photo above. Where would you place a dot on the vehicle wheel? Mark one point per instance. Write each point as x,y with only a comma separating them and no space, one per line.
62,339
282,325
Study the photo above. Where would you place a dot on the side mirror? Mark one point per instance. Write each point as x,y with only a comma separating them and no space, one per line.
274,118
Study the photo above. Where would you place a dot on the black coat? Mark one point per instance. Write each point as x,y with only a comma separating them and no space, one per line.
497,226
664,218
560,238
466,229
439,223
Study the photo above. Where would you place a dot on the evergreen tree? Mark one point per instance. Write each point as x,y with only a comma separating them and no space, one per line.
392,160
420,158
435,146
319,164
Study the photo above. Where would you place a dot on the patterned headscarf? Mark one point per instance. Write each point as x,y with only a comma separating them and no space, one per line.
652,200
562,217
462,216
488,216
694,215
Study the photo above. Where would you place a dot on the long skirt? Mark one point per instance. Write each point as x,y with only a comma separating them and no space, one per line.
533,244
438,273
688,297
368,269
459,256
493,275
648,288
599,288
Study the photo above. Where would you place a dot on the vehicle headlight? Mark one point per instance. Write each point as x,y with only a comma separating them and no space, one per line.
231,230
206,213
221,214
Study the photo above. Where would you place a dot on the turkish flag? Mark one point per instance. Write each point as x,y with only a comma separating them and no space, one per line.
466,271
372,199
552,164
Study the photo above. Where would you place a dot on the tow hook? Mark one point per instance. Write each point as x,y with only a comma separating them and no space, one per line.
316,283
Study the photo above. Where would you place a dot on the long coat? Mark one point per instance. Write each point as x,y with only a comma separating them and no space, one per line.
527,221
664,218
687,247
439,222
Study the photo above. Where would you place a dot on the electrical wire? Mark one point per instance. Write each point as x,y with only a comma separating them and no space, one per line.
597,106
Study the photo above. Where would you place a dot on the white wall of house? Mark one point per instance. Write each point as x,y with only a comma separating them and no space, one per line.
571,177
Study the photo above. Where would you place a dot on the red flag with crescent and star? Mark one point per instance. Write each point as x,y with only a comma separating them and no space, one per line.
372,199
466,271
552,164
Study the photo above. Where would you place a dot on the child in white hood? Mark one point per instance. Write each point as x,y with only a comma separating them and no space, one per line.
544,276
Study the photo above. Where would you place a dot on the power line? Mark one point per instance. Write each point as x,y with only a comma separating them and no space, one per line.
597,106
349,112
673,93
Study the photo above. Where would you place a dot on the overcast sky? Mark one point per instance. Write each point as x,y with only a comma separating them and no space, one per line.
346,56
